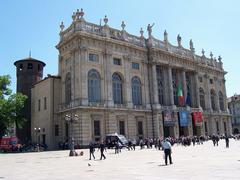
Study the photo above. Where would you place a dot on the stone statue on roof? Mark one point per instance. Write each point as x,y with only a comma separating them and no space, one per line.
179,40
165,36
191,45
149,29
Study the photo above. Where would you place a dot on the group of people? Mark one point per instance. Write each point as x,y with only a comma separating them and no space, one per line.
164,144
101,146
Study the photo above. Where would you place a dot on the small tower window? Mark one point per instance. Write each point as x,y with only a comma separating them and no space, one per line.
30,66
39,67
20,67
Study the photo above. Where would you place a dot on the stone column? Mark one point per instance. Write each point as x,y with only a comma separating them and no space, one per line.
217,95
176,127
146,98
171,98
156,125
160,125
184,84
225,96
155,85
128,83
83,75
60,60
207,90
77,73
108,75
229,125
197,89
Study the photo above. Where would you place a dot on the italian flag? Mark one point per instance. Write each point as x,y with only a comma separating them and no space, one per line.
180,95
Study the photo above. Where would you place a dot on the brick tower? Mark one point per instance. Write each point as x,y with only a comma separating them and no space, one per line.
28,71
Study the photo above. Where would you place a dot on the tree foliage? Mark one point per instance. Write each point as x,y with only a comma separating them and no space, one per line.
11,106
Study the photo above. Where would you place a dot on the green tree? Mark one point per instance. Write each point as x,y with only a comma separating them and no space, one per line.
11,106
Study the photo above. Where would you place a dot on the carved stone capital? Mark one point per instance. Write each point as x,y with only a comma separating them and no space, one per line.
127,57
206,76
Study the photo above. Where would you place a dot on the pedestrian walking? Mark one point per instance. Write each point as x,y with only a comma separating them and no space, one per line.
134,143
167,151
116,147
227,141
141,144
91,150
102,148
217,139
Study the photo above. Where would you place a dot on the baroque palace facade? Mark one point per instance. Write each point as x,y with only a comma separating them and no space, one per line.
117,82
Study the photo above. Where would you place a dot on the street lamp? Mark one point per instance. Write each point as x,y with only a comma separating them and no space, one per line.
71,119
37,131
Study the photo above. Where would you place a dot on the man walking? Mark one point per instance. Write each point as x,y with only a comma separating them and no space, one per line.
102,148
91,150
227,141
167,150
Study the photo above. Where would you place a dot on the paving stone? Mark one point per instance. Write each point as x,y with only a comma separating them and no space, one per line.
200,162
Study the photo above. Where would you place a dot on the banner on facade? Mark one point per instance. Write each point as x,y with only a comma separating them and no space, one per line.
197,118
184,118
168,117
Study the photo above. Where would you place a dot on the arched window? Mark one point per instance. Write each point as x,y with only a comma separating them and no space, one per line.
136,91
94,86
221,102
117,89
68,88
202,98
213,99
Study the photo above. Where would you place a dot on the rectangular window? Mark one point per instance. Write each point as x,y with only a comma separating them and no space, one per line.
56,130
205,126
225,127
135,65
211,81
97,131
117,61
39,104
122,127
140,128
45,103
217,127
30,66
93,57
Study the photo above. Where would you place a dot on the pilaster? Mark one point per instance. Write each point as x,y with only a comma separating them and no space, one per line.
184,83
83,75
217,95
128,87
155,87
170,86
108,75
197,89
207,90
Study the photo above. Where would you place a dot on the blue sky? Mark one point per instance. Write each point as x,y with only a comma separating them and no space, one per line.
34,25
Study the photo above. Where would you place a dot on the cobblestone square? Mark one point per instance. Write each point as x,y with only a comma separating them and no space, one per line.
193,162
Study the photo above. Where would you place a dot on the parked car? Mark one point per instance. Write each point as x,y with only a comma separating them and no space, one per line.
9,144
111,139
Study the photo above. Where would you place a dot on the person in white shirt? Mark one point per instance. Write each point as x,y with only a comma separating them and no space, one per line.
167,150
